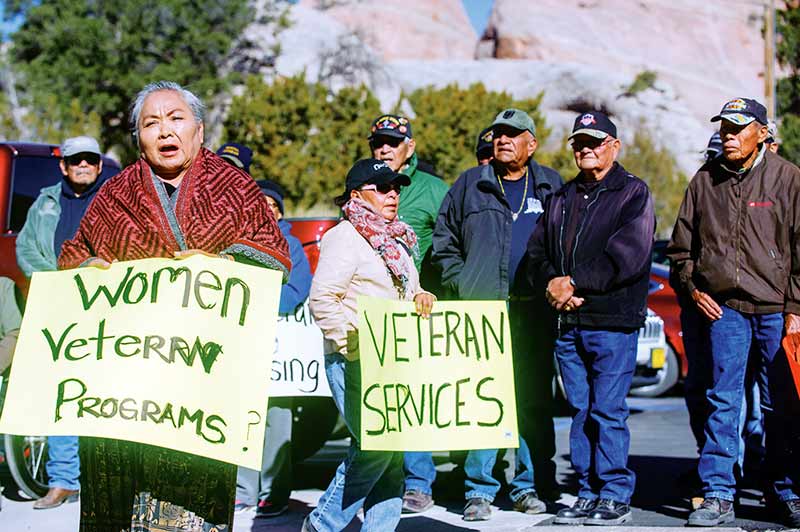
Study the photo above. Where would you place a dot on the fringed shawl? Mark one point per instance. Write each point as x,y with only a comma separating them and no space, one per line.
217,208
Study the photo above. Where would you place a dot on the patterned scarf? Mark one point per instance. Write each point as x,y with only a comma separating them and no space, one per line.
385,238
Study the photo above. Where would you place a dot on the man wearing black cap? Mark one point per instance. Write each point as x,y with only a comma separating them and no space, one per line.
392,142
593,248
236,154
484,149
479,244
734,253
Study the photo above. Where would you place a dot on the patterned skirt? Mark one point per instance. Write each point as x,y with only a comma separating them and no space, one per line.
129,486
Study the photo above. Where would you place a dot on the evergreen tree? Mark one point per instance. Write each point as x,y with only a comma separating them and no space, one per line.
788,90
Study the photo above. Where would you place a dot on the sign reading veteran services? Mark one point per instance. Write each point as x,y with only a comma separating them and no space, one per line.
174,353
445,383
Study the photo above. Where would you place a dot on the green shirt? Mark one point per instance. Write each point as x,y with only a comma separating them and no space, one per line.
10,317
419,204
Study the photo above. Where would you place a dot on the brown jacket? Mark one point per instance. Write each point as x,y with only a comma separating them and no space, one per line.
737,237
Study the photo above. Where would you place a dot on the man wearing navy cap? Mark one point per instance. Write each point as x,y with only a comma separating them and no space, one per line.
734,254
236,154
484,149
593,248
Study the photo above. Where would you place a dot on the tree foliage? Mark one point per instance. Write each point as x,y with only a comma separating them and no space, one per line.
657,167
303,136
81,62
788,90
447,122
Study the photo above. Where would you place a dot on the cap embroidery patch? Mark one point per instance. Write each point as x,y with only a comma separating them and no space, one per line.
488,136
588,119
508,114
735,105
233,150
378,166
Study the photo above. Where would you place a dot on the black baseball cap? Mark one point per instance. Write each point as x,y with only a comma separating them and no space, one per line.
370,172
484,143
595,124
238,155
391,126
742,111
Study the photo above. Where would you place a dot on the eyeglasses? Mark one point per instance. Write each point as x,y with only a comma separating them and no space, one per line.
382,188
593,144
379,142
76,159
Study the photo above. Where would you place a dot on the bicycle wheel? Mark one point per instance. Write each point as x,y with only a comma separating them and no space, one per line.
26,457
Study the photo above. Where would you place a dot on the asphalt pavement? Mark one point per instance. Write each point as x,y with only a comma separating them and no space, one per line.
661,450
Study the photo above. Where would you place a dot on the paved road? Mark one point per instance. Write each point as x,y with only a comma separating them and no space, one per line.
661,449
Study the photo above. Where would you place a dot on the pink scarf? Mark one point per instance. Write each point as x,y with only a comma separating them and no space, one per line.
384,237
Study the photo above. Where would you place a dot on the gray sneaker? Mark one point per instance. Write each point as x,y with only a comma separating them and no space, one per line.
530,504
477,509
713,512
415,501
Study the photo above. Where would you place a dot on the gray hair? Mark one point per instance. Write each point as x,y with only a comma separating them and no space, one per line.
194,103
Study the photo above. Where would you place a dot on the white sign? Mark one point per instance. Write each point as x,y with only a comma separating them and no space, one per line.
298,364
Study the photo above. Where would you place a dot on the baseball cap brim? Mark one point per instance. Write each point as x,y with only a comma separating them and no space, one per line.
509,123
235,160
402,179
739,119
596,133
387,133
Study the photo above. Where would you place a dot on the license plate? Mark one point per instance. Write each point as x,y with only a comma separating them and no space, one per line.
657,358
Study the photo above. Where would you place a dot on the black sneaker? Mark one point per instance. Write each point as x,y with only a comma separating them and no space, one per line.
713,512
577,514
791,517
609,513
267,508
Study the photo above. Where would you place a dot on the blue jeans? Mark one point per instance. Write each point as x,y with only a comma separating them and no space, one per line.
597,368
482,485
63,465
372,479
419,470
734,338
274,482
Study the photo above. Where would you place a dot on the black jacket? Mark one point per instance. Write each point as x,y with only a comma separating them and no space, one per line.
611,254
472,238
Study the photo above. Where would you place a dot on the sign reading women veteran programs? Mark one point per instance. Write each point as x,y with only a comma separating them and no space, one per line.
174,353
445,383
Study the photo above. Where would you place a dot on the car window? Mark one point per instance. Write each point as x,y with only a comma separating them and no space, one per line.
31,175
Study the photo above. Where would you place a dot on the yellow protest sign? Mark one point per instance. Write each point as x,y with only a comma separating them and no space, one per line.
446,383
174,353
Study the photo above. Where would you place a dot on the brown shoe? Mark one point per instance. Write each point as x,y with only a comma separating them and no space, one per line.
55,497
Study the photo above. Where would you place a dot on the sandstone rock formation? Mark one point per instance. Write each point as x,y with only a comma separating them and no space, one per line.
405,29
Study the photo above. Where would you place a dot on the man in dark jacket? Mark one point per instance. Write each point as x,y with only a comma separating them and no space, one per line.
479,244
593,249
735,255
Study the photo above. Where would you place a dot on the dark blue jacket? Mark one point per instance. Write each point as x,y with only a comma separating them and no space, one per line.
611,253
295,291
472,238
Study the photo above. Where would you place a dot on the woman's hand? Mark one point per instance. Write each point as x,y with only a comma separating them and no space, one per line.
424,303
186,253
97,262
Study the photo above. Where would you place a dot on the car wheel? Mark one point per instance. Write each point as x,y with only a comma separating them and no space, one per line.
26,457
667,377
314,420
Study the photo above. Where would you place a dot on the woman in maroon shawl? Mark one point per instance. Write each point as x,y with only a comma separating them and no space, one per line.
176,200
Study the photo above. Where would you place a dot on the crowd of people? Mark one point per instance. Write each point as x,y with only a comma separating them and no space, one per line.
572,260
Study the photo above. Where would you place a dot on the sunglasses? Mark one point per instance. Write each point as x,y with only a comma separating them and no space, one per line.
592,144
76,159
379,142
383,188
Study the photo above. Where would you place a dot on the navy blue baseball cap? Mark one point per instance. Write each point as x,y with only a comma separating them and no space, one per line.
273,190
742,111
484,144
238,155
595,124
